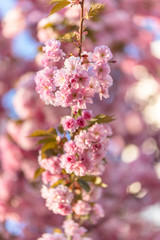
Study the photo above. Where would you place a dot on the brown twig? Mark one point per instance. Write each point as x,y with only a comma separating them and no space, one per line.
81,27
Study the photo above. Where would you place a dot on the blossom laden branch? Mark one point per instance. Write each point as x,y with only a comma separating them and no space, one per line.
73,155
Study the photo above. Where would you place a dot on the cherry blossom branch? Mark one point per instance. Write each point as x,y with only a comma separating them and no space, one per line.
81,27
72,167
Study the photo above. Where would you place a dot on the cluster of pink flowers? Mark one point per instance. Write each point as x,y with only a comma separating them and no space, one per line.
71,230
53,53
85,154
74,231
58,199
78,80
51,164
71,124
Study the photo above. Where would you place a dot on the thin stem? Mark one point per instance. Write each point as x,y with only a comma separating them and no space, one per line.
81,27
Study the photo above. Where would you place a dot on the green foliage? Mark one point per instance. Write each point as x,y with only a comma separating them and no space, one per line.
38,172
44,133
49,142
46,140
58,6
53,2
47,146
84,184
49,153
61,181
50,147
88,178
100,119
60,129
67,37
95,10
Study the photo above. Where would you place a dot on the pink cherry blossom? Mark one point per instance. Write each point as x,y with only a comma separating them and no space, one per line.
81,122
102,70
81,208
51,164
73,64
87,114
73,229
102,54
61,78
82,140
53,51
58,199
70,147
69,124
45,86
80,79
72,164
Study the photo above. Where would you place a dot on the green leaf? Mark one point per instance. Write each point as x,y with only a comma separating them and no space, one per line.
67,37
43,133
46,140
49,145
38,133
89,178
96,9
84,185
38,172
61,181
52,131
60,129
49,153
100,119
52,2
59,6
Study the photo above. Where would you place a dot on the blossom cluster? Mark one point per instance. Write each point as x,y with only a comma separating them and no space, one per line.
83,155
78,80
61,201
58,199
71,230
71,124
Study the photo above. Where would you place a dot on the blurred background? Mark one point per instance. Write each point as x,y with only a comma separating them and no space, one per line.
132,200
